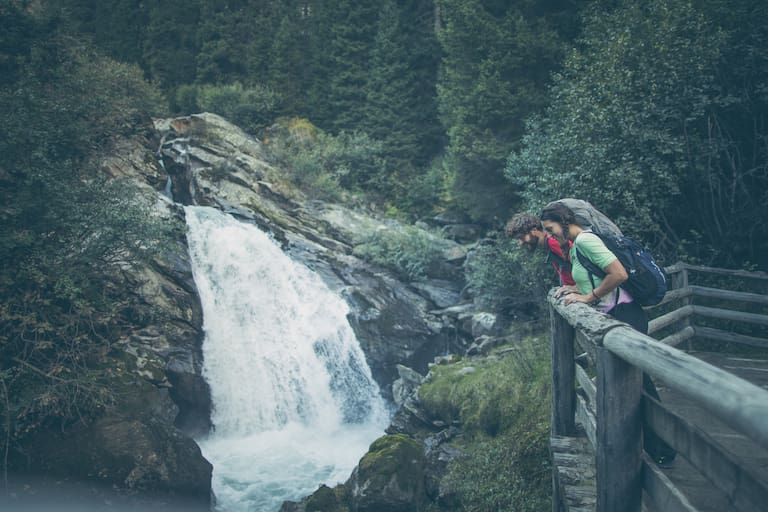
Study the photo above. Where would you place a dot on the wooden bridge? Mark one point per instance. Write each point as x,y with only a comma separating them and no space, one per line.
708,354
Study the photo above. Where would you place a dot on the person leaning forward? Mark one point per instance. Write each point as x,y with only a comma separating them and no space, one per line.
527,230
605,294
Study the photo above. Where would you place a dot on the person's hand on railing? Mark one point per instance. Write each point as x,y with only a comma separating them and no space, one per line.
571,294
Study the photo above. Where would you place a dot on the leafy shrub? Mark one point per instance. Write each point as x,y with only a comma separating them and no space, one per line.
426,193
506,278
326,166
658,120
251,108
185,100
503,407
407,250
66,232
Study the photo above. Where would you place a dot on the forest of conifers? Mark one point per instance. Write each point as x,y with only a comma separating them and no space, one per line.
654,111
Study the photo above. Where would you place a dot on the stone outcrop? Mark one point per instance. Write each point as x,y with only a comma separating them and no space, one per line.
147,445
213,163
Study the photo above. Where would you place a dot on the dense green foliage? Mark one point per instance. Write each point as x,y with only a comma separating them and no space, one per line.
508,279
501,402
497,57
408,251
251,108
64,229
325,166
654,111
380,68
659,117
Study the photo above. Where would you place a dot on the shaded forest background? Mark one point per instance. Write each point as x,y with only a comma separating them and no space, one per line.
654,111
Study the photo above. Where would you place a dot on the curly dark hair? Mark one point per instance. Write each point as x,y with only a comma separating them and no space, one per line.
520,224
562,215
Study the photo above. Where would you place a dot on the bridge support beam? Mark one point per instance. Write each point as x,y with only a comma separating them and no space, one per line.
618,459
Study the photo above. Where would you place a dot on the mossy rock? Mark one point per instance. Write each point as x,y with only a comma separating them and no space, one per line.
325,499
390,477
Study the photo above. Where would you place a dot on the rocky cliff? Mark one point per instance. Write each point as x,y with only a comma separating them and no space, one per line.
213,163
146,443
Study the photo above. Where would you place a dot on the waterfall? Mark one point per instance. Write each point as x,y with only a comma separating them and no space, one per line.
294,403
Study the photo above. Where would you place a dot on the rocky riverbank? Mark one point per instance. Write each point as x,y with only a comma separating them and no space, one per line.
145,442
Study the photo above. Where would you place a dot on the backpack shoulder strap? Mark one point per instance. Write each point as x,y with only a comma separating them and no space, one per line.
592,271
591,268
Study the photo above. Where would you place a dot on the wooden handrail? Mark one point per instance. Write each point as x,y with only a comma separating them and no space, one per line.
751,274
738,403
717,293
609,409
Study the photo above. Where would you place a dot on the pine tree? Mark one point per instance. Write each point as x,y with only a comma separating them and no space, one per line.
235,37
170,47
118,27
319,15
352,31
401,107
289,70
497,60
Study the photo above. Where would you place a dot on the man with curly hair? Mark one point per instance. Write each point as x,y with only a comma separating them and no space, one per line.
526,228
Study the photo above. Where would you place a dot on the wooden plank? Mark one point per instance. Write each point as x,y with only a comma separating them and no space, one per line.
717,293
586,384
619,443
592,324
670,318
563,375
674,294
663,494
726,272
698,490
674,269
752,370
727,314
744,490
573,472
679,337
584,344
586,417
736,402
720,335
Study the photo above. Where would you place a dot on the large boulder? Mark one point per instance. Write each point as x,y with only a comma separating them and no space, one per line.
134,455
390,477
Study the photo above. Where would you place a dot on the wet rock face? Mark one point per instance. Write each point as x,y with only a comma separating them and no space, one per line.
132,455
214,163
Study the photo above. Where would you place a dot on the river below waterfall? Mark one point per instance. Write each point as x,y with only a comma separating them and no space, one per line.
294,403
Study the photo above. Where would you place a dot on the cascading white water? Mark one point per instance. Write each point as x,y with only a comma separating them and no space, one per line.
294,404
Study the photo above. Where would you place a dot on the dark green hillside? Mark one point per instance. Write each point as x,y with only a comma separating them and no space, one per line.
63,228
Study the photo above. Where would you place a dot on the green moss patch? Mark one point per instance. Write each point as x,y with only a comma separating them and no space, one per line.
502,402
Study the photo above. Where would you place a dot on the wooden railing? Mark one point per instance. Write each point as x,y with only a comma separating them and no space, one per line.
597,366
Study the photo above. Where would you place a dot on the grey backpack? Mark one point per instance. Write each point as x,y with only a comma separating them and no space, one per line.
589,217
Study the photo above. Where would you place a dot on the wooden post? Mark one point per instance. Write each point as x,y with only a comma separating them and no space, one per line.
680,281
563,376
619,442
563,390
